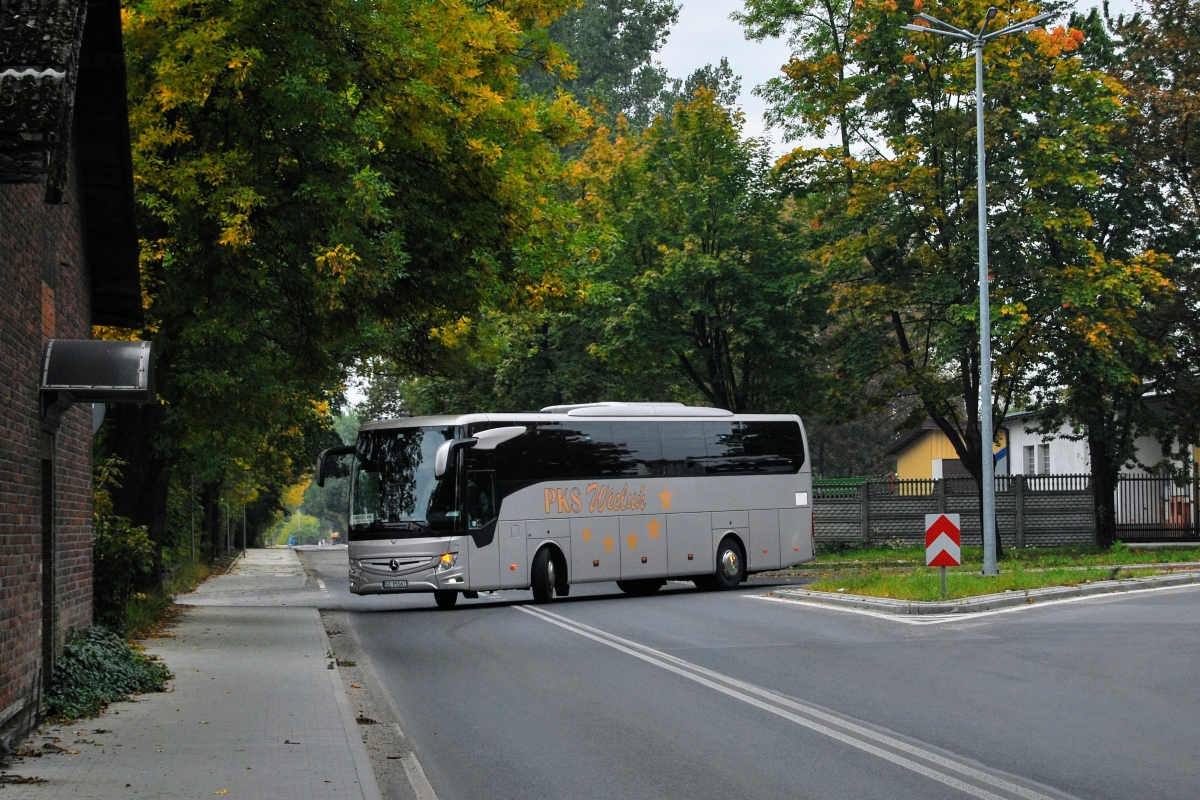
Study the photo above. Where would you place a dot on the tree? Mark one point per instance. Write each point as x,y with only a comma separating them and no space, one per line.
317,181
1119,366
697,283
819,34
893,206
611,44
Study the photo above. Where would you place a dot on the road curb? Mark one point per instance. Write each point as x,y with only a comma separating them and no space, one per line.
362,761
987,602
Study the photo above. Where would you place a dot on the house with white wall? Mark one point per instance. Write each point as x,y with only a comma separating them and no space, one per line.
1021,449
1064,452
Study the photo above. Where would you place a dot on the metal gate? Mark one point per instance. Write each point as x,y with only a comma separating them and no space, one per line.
1155,508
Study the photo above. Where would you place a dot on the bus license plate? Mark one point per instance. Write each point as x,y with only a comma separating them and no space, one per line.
395,584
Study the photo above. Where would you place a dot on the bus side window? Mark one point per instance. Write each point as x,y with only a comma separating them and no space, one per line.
481,498
683,449
638,448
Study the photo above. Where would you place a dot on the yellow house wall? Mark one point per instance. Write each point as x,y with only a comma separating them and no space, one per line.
916,460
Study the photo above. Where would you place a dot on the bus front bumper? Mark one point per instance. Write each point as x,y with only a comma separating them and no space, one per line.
369,582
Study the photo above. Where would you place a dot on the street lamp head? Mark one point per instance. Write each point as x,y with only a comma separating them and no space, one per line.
991,14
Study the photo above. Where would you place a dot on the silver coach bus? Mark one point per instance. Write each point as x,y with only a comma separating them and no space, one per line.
629,492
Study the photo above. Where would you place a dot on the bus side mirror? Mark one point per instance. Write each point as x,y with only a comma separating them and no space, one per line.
493,438
441,459
324,457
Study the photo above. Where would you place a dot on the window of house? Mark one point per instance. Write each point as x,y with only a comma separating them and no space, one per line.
1044,458
1030,467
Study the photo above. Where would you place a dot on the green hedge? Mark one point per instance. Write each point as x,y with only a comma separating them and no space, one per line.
98,667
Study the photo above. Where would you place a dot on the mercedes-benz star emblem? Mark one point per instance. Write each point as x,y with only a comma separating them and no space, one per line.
394,564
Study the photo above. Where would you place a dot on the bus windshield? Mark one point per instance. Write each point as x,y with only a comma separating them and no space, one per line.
394,490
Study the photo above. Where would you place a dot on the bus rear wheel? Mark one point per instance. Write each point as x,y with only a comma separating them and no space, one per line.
731,565
642,586
542,577
445,598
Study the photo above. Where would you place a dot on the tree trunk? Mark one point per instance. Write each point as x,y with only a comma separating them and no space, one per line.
1105,474
211,498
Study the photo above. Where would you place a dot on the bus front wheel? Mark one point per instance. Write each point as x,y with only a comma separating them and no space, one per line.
542,577
731,565
445,598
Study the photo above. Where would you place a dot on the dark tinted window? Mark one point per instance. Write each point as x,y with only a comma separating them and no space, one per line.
683,447
584,450
637,448
577,450
777,446
481,498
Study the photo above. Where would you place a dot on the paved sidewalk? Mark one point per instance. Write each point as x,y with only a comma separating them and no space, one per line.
254,710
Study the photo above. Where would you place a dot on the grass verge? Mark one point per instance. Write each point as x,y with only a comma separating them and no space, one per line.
925,583
146,613
1014,559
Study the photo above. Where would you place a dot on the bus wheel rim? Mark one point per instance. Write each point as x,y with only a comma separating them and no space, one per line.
729,563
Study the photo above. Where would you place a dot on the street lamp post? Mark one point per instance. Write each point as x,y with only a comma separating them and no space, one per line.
935,25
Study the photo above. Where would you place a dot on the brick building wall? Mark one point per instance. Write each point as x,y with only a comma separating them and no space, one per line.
44,293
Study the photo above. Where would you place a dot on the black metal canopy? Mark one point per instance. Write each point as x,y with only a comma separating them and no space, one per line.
99,371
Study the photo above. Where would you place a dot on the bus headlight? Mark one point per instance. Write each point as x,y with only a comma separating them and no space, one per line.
447,561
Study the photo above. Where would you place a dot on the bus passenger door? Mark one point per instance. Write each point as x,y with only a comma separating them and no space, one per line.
483,559
764,540
643,547
689,544
514,567
595,552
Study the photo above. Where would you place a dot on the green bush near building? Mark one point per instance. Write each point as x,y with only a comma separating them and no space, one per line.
98,667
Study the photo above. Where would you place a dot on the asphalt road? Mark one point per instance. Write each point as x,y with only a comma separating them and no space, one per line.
726,695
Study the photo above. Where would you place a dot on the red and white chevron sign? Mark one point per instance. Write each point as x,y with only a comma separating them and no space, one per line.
943,540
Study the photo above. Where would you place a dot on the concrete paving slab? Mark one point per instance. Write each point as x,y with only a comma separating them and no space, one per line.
256,710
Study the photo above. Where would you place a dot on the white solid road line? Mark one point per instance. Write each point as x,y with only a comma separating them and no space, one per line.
778,705
939,619
416,777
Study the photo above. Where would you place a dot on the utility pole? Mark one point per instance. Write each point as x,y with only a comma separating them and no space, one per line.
192,508
986,430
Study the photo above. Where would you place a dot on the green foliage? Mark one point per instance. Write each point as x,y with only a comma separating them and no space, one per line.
306,529
121,553
611,44
146,611
893,208
317,183
700,291
98,667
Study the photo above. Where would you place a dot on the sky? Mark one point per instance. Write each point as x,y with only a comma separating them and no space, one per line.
705,33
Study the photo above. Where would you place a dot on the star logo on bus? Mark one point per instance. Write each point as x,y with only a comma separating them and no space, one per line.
608,543
666,498
653,525
633,540
586,533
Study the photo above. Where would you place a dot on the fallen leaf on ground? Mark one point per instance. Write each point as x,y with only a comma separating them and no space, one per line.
223,791
355,686
6,777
